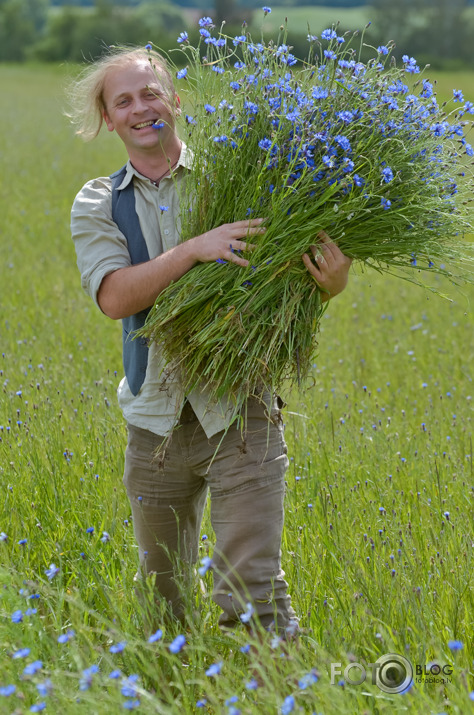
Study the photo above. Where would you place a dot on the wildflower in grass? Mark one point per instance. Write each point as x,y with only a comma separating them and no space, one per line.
387,174
90,530
458,95
17,616
252,684
22,542
245,648
86,680
182,73
328,34
177,645
201,703
307,680
455,646
158,125
206,565
7,690
209,108
266,10
155,636
44,688
3,536
131,704
382,50
66,637
386,203
214,669
247,615
288,705
32,668
115,674
38,707
183,37
239,40
118,647
22,653
148,47
129,689
105,538
311,38
52,571
206,22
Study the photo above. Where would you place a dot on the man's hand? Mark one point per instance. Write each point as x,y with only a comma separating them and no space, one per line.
330,269
224,242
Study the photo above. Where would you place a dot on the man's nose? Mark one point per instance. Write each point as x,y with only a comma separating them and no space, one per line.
139,105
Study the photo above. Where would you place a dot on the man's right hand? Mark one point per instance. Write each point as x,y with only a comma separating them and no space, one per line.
224,242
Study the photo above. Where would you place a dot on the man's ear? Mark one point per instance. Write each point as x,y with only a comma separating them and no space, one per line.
108,121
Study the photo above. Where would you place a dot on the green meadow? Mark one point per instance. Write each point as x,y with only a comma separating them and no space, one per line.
378,540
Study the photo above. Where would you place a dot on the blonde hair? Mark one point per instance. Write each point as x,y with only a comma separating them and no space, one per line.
86,94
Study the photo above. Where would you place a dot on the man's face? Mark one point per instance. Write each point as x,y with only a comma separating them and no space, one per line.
135,99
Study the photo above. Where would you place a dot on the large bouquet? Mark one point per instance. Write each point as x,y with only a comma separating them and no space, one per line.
360,150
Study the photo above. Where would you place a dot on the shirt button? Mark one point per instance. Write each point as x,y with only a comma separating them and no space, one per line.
166,231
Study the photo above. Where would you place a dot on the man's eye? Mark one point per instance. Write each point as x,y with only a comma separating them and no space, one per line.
122,103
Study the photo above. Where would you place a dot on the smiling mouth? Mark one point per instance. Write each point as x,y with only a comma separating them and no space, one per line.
142,125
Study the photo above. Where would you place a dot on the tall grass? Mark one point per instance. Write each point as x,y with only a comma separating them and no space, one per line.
378,538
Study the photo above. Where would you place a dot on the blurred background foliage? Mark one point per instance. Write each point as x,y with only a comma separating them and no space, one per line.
438,32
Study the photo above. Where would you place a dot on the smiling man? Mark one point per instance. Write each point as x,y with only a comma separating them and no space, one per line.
128,248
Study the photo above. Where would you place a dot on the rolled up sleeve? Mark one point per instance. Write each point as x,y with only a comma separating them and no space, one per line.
101,247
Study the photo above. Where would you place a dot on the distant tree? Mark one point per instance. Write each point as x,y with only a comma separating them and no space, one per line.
22,23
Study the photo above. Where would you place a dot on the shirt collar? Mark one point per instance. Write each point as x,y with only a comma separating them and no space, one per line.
184,162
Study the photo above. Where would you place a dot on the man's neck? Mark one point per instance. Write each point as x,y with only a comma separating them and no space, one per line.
155,165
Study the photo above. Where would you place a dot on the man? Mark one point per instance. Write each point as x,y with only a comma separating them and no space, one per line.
127,256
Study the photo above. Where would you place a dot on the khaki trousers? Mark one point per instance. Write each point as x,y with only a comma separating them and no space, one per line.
245,477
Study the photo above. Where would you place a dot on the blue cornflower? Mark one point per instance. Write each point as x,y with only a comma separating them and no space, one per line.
288,705
22,542
90,530
345,116
329,161
328,34
217,69
131,704
17,616
311,38
266,10
221,42
330,55
293,115
469,150
65,637
22,653
31,611
128,688
239,65
214,669
348,165
234,85
247,615
343,142
386,203
183,37
209,108
221,261
182,73
179,642
265,144
7,690
410,65
319,93
190,119
252,684
156,636
206,22
86,680
201,703
307,680
469,107
45,688
118,647
206,565
387,174
205,33
158,125
382,50
33,668
458,95
115,674
3,536
37,707
52,571
239,40
455,645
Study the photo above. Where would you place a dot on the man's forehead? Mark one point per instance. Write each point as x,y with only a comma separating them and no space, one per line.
134,77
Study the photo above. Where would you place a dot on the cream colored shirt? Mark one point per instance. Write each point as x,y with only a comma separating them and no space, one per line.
101,248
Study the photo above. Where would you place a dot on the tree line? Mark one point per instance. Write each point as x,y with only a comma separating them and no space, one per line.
438,32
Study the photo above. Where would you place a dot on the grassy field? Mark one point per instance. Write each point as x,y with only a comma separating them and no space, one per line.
378,543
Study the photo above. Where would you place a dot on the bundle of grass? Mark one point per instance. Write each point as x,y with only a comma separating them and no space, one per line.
360,150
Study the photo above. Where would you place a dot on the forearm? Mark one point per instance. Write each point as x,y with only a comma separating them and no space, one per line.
132,289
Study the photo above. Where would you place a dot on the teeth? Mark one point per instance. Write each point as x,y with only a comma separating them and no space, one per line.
144,124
